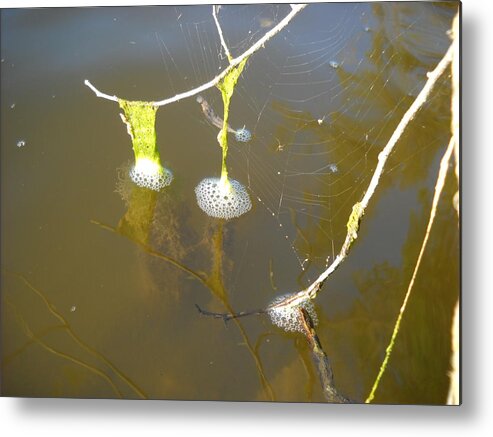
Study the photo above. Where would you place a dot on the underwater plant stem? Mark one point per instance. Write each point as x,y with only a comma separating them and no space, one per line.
217,286
220,31
65,325
55,352
442,174
147,249
295,9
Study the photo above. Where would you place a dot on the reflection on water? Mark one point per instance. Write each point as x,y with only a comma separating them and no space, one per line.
100,278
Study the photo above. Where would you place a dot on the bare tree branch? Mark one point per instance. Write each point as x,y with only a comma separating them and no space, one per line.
295,9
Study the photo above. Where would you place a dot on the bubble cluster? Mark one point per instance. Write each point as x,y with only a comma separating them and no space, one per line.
288,317
243,135
222,200
147,174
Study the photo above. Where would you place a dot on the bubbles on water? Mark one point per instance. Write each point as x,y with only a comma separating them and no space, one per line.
148,174
222,200
334,64
21,143
243,135
288,318
12,106
333,168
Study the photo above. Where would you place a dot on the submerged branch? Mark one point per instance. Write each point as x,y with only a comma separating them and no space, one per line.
295,9
226,317
322,362
442,174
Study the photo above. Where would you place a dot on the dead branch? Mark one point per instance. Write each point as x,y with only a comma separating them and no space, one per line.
295,9
321,360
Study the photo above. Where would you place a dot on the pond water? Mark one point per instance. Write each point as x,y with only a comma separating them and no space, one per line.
100,280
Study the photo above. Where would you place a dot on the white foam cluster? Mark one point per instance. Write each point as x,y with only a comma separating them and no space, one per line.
243,135
288,317
222,200
148,174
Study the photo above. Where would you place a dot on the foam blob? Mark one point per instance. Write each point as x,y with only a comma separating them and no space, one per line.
224,200
288,317
149,174
243,135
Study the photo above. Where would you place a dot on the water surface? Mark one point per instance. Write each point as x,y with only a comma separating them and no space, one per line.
100,280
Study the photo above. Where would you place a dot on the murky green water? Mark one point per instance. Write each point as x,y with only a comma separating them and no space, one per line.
100,280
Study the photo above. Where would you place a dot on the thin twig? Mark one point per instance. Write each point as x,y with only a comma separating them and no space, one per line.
442,174
421,98
220,31
295,9
99,93
226,317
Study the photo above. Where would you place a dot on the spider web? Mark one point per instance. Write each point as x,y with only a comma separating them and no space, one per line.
321,100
